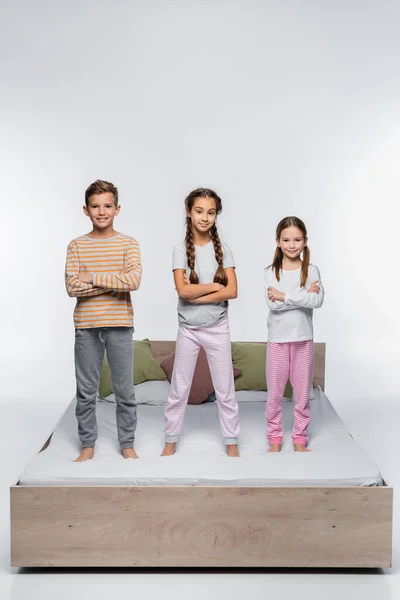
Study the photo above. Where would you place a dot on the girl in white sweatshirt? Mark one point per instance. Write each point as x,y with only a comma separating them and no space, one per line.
293,290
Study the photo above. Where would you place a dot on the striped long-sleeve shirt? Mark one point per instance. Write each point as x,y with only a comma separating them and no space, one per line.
107,301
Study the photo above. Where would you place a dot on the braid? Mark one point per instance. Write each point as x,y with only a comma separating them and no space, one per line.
190,251
220,275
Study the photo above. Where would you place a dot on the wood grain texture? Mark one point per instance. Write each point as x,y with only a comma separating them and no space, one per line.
201,526
319,364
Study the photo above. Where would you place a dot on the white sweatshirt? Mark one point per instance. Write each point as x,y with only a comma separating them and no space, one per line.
291,320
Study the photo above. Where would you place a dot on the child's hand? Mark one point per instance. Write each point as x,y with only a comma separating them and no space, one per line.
128,267
274,294
86,277
314,287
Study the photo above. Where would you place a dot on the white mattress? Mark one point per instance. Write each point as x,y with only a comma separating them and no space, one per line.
336,459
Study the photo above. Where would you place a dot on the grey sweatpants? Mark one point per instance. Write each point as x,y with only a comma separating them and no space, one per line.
89,354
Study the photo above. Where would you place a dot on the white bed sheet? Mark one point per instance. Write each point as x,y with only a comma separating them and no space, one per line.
336,459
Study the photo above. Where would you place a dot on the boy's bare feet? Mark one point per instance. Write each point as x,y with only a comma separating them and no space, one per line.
274,448
129,453
232,450
301,448
169,449
86,454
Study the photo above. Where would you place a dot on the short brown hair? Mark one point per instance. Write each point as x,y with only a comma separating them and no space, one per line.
100,187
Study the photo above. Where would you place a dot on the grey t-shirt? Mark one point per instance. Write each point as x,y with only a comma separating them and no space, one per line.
201,315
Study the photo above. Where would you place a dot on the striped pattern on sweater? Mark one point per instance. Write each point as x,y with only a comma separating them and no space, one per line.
107,301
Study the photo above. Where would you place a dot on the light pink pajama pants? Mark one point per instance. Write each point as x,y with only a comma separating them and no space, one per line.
293,360
217,345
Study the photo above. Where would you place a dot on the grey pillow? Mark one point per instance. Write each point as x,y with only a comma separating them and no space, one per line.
154,393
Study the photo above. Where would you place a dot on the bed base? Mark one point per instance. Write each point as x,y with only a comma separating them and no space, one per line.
109,526
202,526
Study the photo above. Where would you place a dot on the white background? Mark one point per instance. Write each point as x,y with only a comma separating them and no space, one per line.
284,107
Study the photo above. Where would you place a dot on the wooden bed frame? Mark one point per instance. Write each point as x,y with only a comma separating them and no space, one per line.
202,526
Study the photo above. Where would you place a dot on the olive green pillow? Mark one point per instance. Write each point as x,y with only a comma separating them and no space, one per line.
251,359
145,368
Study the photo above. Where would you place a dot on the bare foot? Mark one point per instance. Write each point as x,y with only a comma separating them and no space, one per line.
274,448
301,448
232,450
86,454
169,449
129,453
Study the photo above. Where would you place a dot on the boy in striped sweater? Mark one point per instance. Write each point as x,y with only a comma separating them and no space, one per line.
102,268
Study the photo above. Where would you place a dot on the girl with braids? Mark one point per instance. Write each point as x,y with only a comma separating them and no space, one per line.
205,279
293,290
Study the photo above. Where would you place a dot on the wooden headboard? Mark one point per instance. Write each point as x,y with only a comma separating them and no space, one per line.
161,349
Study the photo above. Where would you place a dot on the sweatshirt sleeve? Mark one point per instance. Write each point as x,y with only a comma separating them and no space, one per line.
75,287
123,282
275,305
302,299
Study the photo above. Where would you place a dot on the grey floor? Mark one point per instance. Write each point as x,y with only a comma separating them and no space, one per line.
24,426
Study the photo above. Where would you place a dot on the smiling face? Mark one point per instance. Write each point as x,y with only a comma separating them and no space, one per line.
292,242
203,214
101,210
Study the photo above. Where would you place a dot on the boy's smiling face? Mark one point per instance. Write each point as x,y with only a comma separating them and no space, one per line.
101,210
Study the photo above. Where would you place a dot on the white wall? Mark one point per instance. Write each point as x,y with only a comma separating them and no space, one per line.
284,107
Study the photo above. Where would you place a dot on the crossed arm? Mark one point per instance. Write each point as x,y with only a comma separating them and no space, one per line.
301,298
85,284
205,293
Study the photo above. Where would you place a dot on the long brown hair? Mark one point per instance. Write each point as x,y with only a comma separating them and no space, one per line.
278,256
220,275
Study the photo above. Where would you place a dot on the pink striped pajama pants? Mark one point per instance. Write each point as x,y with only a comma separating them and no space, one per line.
293,360
217,345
